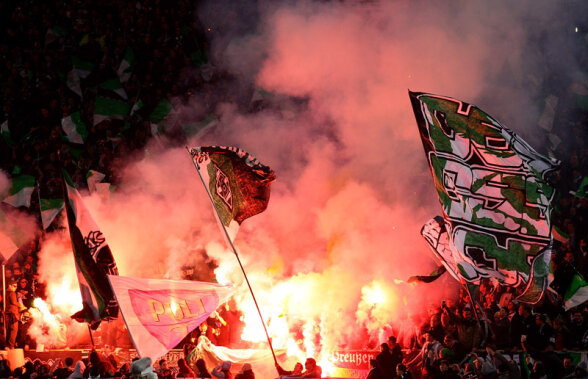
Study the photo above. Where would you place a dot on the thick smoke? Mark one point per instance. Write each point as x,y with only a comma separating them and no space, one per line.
331,254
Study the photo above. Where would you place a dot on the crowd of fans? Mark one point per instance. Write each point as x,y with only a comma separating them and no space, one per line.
477,335
98,365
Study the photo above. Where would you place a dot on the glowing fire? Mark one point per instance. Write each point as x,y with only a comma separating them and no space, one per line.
374,295
65,295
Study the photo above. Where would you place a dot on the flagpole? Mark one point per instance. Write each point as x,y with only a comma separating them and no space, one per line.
91,337
465,284
127,325
4,297
237,256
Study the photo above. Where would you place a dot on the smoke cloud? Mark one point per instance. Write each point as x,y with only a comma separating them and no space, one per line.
331,254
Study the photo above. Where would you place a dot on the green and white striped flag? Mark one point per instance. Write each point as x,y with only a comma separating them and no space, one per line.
125,68
107,108
6,133
137,107
15,231
54,33
115,86
582,189
75,128
162,110
577,292
21,191
93,177
50,208
82,68
73,82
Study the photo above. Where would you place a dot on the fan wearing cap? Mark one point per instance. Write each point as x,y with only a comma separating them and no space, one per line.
246,372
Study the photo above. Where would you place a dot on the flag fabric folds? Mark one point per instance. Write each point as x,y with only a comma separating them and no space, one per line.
94,177
159,313
237,183
20,192
81,67
582,191
50,208
125,68
75,128
15,231
93,259
434,275
162,110
5,132
495,199
109,108
577,291
115,86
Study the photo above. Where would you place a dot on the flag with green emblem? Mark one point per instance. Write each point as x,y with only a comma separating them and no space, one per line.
20,192
496,201
93,259
237,183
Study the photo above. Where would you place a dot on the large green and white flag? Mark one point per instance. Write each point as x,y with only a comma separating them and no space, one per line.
115,86
82,67
50,208
93,259
94,177
20,192
6,133
238,184
107,108
75,128
125,68
495,199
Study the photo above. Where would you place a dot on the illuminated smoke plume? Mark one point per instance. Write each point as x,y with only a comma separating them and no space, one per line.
329,258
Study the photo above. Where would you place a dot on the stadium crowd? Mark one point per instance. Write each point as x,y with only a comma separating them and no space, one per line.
60,58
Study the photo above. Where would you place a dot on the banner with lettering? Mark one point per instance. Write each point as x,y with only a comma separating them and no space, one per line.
159,313
351,363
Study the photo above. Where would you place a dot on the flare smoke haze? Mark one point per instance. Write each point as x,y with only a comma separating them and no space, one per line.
331,254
